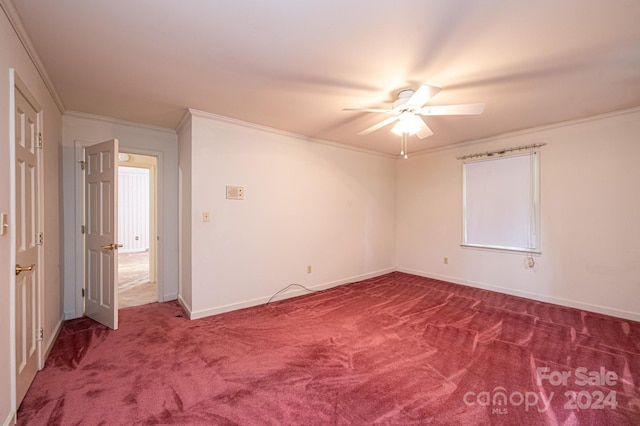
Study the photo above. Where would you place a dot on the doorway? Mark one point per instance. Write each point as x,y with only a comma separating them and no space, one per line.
137,259
98,217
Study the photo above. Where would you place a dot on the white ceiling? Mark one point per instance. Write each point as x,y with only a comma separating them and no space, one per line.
293,65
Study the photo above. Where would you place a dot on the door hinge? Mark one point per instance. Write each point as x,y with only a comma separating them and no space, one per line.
83,292
82,229
83,164
39,145
40,334
40,238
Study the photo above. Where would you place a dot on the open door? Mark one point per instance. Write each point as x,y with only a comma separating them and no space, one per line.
101,238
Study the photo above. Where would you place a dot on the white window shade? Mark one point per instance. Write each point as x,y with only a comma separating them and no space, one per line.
500,203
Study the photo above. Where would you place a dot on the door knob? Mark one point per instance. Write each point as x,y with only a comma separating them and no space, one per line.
20,268
111,246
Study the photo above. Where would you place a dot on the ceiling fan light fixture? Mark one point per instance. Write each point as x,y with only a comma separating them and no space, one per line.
407,123
408,109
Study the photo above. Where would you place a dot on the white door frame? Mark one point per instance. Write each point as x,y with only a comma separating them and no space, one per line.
17,84
79,146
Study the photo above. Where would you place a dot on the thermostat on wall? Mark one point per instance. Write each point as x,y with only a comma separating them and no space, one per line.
235,193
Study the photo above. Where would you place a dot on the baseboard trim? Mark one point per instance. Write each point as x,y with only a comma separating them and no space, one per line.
11,419
534,296
284,295
169,297
185,306
70,315
54,336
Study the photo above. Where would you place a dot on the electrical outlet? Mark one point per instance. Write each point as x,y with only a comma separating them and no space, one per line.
206,217
308,269
446,260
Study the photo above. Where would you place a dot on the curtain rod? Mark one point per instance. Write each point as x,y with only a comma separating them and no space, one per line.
501,151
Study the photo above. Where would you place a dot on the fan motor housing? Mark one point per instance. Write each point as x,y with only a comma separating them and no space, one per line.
403,97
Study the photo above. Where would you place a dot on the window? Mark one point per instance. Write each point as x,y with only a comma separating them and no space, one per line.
501,203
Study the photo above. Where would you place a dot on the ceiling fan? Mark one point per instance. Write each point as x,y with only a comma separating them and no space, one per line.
409,105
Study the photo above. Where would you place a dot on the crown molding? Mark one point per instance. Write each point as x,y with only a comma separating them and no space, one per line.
532,130
229,120
14,19
111,120
186,117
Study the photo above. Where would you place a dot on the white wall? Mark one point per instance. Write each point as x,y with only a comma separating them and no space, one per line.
133,138
306,203
13,55
590,214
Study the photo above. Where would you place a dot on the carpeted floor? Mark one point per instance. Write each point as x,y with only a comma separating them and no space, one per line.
397,349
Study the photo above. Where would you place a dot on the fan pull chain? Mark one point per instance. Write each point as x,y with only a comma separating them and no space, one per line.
405,145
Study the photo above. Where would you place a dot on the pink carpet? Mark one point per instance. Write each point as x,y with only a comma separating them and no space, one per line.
397,350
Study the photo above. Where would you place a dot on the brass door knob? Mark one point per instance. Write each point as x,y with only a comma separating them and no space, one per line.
111,246
20,268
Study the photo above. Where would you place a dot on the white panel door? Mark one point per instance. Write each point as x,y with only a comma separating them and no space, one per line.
101,238
27,292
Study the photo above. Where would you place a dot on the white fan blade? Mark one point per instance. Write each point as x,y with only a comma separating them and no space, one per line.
464,109
424,131
367,109
378,126
422,95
